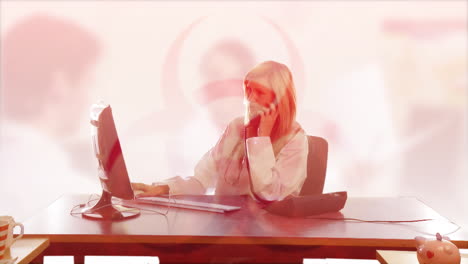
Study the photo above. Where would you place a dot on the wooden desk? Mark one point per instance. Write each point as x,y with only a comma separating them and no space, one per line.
26,249
405,257
250,234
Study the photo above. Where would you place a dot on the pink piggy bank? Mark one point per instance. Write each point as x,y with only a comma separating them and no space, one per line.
439,251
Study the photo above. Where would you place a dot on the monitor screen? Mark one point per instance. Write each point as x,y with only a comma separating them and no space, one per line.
112,171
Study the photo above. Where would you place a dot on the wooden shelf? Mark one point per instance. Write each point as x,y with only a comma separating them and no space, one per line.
26,249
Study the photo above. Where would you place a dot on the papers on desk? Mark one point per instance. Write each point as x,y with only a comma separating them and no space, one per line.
59,260
120,260
180,203
340,261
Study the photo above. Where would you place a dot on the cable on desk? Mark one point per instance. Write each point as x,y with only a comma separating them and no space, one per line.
72,213
371,221
388,222
451,232
115,202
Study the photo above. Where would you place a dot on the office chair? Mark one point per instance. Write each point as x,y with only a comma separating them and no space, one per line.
316,166
311,199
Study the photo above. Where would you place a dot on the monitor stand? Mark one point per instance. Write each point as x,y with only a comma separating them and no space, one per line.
105,210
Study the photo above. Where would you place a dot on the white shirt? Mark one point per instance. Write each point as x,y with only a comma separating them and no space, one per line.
222,167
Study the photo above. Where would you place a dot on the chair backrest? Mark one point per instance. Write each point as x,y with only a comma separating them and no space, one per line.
316,166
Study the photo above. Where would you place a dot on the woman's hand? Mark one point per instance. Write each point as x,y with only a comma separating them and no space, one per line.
267,120
251,128
149,190
261,121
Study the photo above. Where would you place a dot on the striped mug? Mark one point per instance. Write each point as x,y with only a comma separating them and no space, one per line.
3,237
11,225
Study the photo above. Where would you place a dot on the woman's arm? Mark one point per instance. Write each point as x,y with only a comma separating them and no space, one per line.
274,179
206,171
146,190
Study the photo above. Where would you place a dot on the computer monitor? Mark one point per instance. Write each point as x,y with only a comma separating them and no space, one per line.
112,171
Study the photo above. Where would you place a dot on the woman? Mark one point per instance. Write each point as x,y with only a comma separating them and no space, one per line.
263,154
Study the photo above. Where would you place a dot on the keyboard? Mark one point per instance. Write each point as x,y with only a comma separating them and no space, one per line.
179,203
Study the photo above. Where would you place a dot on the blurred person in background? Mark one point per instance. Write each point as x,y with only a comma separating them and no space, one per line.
46,64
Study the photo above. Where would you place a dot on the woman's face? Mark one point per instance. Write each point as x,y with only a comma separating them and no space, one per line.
259,94
258,97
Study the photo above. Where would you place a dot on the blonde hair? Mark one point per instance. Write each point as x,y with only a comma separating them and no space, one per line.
279,79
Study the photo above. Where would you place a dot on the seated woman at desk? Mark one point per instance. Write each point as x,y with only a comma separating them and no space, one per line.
263,154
